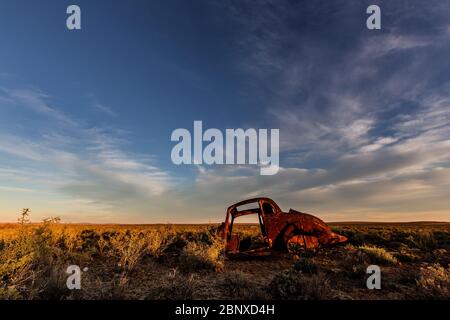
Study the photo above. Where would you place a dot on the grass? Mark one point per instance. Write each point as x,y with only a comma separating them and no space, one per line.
294,285
378,255
187,262
434,280
178,287
197,256
238,285
306,265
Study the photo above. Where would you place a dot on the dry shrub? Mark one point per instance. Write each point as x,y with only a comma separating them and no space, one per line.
407,277
378,255
10,293
87,241
354,263
434,282
198,256
176,287
156,241
54,285
423,240
130,248
94,288
31,262
406,256
118,288
306,265
295,285
237,285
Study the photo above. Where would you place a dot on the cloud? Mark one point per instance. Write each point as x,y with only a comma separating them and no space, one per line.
36,101
19,147
326,82
99,106
12,189
400,183
378,144
87,164
104,109
394,43
364,117
364,122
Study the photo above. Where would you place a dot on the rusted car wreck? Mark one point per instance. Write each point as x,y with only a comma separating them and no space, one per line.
279,230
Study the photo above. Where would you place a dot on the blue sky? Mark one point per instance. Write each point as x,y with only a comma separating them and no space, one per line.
86,116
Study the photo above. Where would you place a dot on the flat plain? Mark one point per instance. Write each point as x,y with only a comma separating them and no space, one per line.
188,262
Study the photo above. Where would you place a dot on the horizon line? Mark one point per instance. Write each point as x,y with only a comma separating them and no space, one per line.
210,223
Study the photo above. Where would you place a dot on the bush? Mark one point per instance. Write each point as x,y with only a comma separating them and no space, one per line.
54,286
197,256
155,242
434,282
423,240
10,293
294,285
378,255
237,286
28,260
130,247
34,259
306,265
87,242
406,256
177,287
354,262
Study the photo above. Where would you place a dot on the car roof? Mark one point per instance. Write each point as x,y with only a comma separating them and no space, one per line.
241,203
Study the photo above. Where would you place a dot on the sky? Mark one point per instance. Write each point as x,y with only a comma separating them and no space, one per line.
86,116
